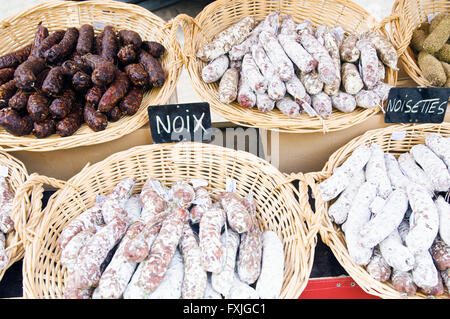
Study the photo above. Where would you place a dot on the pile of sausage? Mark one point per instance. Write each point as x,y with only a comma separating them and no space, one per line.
297,68
6,223
170,243
395,215
69,77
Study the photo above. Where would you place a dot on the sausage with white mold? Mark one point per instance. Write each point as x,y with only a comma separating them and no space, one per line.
270,281
385,222
358,215
443,208
376,172
338,211
433,166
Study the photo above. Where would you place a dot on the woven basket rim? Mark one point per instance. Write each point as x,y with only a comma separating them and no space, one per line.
299,245
332,234
127,124
17,175
273,120
403,32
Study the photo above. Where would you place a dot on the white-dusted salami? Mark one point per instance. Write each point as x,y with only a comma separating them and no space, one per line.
377,205
237,214
69,254
88,272
225,40
246,97
163,249
440,146
202,202
264,103
378,268
433,166
396,176
305,27
240,290
424,273
344,102
255,79
414,172
424,224
210,293
322,104
182,194
136,249
152,199
6,201
287,25
320,33
351,79
325,67
250,249
283,65
381,71
4,259
382,90
228,86
436,290
403,282
288,106
133,290
171,285
311,82
114,202
395,253
367,99
384,48
332,46
440,252
270,281
214,70
378,228
195,276
295,51
296,89
209,239
443,208
275,87
336,183
133,207
358,215
376,172
238,51
368,63
338,211
222,281
91,218
348,50
119,271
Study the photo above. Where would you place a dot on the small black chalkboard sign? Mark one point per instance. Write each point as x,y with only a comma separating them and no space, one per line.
416,105
187,122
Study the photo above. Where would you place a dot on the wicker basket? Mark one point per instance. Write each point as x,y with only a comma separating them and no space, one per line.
280,209
17,175
413,13
222,13
331,233
18,31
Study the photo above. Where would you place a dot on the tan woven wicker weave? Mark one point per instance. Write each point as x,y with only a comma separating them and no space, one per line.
279,208
413,13
17,175
18,31
331,233
222,13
